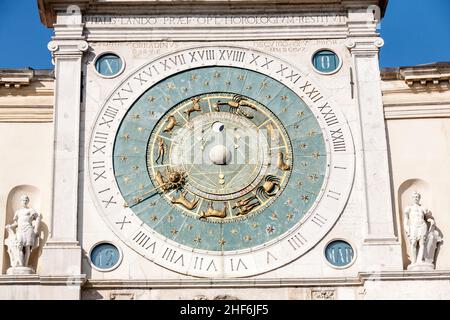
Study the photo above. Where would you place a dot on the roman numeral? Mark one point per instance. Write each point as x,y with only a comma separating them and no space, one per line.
333,195
297,241
202,55
233,55
267,63
109,116
100,137
108,202
123,222
99,165
282,70
319,220
292,75
235,267
119,97
169,255
254,59
328,114
338,140
269,255
142,239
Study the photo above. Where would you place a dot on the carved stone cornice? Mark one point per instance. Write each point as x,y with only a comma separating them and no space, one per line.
429,75
15,78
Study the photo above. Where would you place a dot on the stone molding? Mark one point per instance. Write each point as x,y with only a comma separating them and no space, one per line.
359,280
434,76
26,95
76,280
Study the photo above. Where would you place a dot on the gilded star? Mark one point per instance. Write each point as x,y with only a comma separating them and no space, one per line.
303,146
189,226
197,239
137,199
228,83
184,89
152,204
194,77
151,99
289,201
274,216
136,149
268,97
123,157
216,74
141,186
284,109
152,114
140,129
210,232
222,242
296,126
153,217
304,163
240,77
135,168
126,179
234,232
311,133
313,177
254,225
173,231
126,136
304,197
167,98
248,88
284,98
316,155
270,229
170,86
169,218
299,183
300,113
290,216
136,116
247,238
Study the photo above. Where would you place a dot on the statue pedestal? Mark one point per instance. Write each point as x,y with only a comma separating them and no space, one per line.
19,270
421,266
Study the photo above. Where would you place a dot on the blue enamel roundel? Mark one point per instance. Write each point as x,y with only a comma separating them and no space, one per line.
326,61
105,256
109,65
339,253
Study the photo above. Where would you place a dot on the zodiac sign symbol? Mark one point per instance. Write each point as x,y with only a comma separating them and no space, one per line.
236,104
171,123
185,202
246,205
161,150
270,187
211,212
175,179
281,164
195,107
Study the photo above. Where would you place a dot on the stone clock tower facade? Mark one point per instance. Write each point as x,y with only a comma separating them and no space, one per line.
218,148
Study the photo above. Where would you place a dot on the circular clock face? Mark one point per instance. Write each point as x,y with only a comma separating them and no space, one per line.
220,162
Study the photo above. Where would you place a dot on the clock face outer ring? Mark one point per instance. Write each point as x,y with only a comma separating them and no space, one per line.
289,246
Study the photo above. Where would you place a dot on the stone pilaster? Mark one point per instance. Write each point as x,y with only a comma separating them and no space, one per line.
371,139
62,252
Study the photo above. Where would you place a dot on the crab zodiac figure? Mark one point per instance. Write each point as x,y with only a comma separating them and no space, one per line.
269,188
236,104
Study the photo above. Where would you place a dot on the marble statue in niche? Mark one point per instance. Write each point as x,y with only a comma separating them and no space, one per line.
23,237
423,237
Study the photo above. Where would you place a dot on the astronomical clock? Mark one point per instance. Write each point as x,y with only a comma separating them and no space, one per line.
220,161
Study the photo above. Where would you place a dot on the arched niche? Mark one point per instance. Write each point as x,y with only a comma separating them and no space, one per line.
12,204
404,197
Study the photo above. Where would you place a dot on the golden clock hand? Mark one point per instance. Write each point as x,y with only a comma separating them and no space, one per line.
141,198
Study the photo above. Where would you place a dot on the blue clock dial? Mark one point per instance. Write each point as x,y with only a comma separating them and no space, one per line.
109,65
339,253
105,256
220,158
326,61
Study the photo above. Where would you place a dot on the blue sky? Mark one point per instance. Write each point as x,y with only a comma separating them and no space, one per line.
414,31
